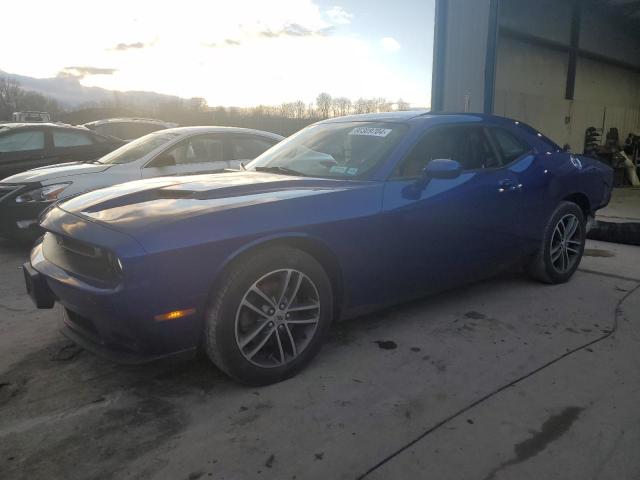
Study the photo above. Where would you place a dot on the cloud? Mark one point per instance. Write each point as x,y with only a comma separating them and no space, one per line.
298,30
339,16
81,72
121,47
296,46
227,41
269,34
389,44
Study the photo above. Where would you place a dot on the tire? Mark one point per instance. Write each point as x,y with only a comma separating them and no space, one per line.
245,311
558,257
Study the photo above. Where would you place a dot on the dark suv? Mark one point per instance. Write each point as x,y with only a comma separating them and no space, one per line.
29,145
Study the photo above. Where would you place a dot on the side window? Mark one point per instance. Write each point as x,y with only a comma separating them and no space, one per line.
22,141
63,139
467,145
248,147
510,146
200,149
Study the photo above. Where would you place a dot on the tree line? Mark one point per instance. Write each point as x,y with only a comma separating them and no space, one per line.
325,106
285,118
13,98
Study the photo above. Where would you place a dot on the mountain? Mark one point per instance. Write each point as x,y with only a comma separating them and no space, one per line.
70,93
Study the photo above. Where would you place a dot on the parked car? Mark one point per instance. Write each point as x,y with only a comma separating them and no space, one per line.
128,128
179,151
30,117
348,215
29,145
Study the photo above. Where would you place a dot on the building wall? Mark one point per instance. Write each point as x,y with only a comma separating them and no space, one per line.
605,35
466,49
605,93
530,86
531,79
544,18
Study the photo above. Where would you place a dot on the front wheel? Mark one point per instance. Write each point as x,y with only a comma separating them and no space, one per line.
269,316
562,245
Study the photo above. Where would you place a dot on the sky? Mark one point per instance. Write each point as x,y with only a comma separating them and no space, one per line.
240,52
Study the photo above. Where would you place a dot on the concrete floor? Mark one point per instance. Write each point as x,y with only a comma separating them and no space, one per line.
623,207
504,379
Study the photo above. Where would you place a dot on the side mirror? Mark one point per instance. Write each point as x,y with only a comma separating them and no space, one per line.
164,160
442,168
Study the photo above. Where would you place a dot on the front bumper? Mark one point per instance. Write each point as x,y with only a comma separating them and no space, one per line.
37,287
71,326
111,320
83,331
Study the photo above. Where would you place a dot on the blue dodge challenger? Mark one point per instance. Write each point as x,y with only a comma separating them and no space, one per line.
347,216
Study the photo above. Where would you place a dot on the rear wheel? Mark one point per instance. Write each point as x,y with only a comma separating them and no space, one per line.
269,316
562,245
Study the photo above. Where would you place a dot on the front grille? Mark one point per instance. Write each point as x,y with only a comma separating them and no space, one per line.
80,258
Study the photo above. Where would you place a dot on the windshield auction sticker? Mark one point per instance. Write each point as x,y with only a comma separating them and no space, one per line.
370,131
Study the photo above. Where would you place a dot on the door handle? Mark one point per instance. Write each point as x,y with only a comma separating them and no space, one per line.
508,186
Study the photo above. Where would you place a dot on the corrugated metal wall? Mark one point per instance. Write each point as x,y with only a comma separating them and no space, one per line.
466,47
531,79
531,75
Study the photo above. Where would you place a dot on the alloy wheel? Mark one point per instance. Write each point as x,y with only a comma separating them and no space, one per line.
277,318
566,243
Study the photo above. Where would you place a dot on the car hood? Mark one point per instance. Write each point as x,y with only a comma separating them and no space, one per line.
44,174
133,207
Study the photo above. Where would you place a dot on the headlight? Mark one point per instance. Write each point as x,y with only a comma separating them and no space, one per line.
50,193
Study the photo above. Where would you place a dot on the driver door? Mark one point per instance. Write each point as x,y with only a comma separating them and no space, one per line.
458,230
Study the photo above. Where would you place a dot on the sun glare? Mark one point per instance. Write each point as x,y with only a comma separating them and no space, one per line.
231,53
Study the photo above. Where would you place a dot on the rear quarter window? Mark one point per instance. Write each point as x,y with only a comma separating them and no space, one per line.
66,139
22,141
510,146
532,131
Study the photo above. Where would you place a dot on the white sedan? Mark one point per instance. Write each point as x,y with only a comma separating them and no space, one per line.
175,151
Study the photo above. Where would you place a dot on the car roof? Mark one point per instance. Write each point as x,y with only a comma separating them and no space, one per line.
153,121
402,116
420,115
433,118
14,125
216,129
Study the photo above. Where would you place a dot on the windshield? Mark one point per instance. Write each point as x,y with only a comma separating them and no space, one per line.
332,150
138,148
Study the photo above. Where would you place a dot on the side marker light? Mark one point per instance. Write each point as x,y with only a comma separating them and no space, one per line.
174,315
